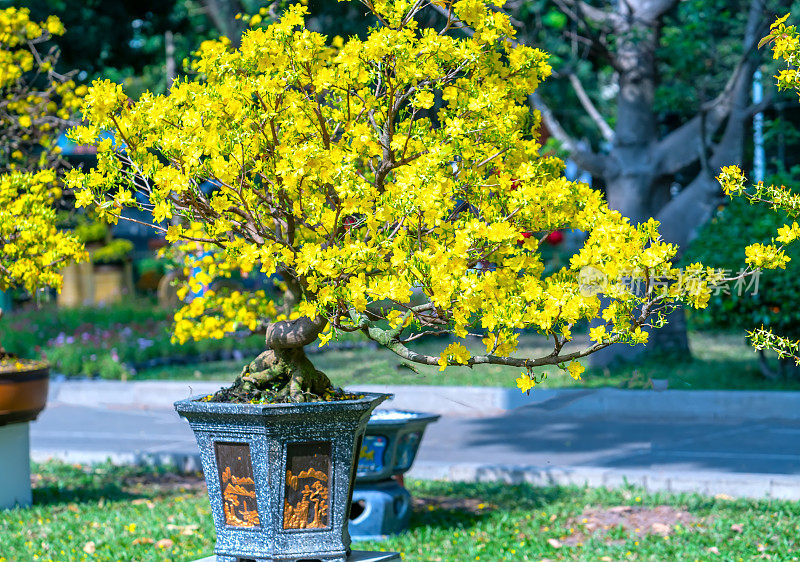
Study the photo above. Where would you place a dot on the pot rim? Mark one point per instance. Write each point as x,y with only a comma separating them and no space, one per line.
40,371
413,417
194,405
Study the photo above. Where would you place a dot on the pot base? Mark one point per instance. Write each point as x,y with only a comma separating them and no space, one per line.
379,509
355,556
15,466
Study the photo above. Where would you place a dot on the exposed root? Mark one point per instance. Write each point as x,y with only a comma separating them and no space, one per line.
280,375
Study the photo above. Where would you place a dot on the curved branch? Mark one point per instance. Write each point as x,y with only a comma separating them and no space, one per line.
588,105
679,148
552,359
580,11
688,210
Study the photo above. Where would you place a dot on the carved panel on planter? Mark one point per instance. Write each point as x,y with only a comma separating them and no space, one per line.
307,499
237,484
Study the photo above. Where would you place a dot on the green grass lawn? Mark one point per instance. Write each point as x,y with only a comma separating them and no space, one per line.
721,361
120,513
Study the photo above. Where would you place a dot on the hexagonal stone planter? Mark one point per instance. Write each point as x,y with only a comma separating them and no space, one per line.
280,476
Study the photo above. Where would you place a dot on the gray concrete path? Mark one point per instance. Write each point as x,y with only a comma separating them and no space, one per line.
534,443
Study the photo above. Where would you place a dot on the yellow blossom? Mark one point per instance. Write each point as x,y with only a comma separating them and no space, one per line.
575,370
525,382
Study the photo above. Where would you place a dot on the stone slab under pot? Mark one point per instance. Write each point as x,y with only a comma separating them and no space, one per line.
280,476
355,556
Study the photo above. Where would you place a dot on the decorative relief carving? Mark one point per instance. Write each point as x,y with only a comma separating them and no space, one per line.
307,492
237,484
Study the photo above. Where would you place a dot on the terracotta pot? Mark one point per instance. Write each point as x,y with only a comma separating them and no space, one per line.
23,393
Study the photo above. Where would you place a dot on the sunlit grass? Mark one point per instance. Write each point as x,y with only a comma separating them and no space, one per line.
115,513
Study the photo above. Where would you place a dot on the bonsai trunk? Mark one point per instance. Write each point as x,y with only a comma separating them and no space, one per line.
283,373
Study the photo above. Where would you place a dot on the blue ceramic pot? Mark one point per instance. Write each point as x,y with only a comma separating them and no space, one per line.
390,443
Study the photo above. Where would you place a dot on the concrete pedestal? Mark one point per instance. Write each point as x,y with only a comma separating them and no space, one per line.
355,556
15,465
379,509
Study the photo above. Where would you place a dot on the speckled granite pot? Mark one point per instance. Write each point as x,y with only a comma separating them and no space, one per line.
280,476
390,443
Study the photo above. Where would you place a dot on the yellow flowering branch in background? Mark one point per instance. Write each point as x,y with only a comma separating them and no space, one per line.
785,42
32,249
36,101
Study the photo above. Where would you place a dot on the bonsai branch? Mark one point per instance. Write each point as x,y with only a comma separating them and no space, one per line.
390,340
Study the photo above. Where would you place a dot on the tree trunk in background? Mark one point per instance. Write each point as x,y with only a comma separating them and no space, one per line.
640,166
223,14
169,53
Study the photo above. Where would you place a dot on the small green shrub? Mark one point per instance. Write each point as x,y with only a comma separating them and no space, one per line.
91,232
116,251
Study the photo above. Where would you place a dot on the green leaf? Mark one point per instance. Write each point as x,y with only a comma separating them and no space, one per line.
765,40
555,19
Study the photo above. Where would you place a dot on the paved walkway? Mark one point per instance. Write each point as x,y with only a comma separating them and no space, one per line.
530,443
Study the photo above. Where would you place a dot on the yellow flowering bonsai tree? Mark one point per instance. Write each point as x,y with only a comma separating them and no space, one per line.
394,183
35,104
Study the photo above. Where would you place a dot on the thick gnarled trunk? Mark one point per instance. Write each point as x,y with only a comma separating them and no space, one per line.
283,373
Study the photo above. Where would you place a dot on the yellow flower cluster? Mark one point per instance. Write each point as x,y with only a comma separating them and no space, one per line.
33,250
767,256
455,353
786,43
525,382
396,180
32,116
